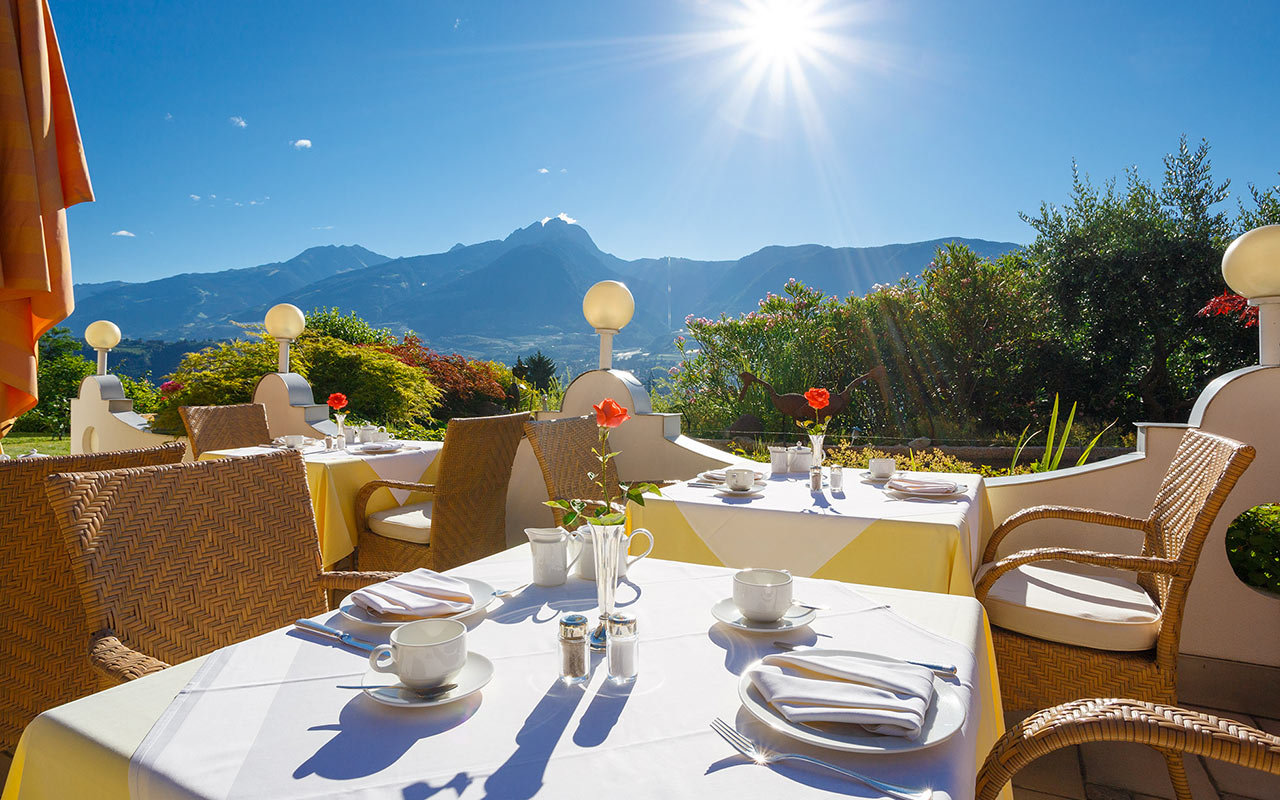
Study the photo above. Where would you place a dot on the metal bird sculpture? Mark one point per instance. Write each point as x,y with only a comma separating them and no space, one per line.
795,405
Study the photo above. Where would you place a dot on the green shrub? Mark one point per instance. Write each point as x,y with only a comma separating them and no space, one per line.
1253,547
146,396
220,375
351,329
379,387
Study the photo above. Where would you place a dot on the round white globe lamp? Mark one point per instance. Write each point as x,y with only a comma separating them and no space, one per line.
1251,267
285,322
102,336
608,307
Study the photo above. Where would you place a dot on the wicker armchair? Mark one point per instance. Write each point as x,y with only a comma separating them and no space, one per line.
563,449
42,661
1172,730
223,427
466,515
176,561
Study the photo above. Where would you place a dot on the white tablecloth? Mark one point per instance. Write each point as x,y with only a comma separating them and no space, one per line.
266,719
862,534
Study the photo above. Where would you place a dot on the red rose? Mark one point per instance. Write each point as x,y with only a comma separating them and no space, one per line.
337,401
609,414
818,398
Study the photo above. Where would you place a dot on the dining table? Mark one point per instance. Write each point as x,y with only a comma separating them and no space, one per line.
864,532
336,475
282,715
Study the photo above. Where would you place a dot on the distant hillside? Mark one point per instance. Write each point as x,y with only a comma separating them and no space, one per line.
500,298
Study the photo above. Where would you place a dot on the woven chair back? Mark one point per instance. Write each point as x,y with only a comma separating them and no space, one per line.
180,560
1203,472
44,652
223,427
469,511
563,449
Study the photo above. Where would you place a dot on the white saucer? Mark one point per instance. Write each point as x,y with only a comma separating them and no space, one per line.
481,591
869,478
752,492
943,719
383,686
728,613
718,476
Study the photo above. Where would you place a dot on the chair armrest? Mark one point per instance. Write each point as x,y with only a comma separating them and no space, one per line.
1150,564
1058,512
119,662
366,491
353,580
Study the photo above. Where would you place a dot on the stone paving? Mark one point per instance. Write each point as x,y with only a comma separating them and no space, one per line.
1122,771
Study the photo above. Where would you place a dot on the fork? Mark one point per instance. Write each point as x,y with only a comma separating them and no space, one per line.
764,757
510,592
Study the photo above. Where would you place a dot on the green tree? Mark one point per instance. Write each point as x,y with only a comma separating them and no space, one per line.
60,371
1126,270
540,371
352,328
1265,211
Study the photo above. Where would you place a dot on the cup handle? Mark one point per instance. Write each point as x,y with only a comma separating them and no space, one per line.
647,550
574,538
375,659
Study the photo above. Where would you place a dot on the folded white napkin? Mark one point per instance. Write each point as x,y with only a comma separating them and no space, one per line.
421,593
887,697
923,485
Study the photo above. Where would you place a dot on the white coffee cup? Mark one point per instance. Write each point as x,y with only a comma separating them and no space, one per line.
762,595
587,558
423,654
882,467
739,478
294,440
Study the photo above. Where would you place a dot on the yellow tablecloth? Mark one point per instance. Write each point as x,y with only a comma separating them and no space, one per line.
84,748
335,478
860,535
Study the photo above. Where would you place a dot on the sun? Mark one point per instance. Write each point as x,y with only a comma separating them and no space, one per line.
780,30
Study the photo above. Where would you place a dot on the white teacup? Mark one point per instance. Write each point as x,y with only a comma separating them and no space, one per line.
423,654
881,468
294,440
762,595
587,557
739,479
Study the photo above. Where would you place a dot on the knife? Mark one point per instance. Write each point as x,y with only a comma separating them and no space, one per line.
342,636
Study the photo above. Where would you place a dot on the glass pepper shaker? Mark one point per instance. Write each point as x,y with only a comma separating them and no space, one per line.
837,478
622,648
574,657
815,479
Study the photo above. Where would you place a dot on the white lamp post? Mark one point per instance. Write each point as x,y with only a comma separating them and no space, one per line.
102,336
285,322
608,307
1251,267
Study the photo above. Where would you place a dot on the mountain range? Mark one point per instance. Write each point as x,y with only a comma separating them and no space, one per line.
499,298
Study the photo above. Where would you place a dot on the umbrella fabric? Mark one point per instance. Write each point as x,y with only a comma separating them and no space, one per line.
42,173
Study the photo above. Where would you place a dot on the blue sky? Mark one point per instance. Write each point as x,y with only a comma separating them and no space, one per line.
432,123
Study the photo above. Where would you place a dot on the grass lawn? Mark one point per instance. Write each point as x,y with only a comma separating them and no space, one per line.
16,444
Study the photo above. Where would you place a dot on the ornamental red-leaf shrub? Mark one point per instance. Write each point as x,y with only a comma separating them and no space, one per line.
469,386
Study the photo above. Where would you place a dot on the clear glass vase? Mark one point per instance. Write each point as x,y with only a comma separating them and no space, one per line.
341,417
815,443
606,542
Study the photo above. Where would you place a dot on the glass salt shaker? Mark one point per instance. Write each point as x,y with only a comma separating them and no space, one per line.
622,648
815,479
574,658
837,478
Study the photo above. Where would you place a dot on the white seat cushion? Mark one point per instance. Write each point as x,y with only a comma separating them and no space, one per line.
408,523
1077,604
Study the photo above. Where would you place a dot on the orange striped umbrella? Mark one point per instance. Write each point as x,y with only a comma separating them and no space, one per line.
42,173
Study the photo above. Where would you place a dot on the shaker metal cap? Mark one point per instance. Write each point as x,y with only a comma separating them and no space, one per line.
622,624
573,626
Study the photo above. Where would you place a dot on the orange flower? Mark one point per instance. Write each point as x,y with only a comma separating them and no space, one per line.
818,398
337,401
609,414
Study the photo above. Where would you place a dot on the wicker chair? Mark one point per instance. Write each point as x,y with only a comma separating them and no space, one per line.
1057,655
177,561
466,515
42,651
1170,729
563,449
223,427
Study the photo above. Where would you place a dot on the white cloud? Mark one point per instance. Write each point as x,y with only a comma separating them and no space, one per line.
301,144
168,117
543,170
456,22
238,122
322,227
124,233
213,197
561,216
563,170
195,198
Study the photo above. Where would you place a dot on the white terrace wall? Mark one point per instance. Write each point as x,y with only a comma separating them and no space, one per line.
1225,619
